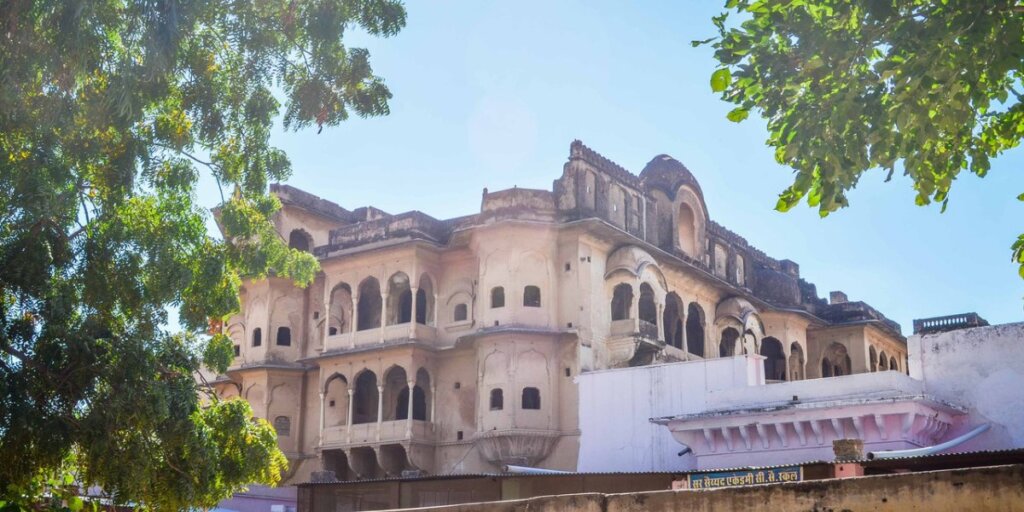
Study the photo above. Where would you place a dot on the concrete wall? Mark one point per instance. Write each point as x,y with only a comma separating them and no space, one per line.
982,368
616,406
980,489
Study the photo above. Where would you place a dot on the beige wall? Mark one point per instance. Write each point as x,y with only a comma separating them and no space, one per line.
980,489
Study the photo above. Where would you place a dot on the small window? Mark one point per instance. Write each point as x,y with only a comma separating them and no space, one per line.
497,297
257,337
531,398
284,336
458,385
238,350
458,435
283,426
298,239
461,312
332,331
531,297
497,399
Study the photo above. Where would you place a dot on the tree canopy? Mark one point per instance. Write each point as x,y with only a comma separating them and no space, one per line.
926,87
110,111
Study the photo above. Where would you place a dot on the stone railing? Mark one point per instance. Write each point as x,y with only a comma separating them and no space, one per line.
948,323
374,432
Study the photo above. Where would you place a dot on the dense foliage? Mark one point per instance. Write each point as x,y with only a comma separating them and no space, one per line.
110,111
927,87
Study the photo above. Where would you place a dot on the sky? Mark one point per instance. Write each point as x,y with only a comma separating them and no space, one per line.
491,94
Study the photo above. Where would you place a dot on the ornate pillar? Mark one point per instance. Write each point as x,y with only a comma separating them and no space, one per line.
348,419
322,399
327,315
380,409
412,318
383,315
661,323
408,418
634,306
433,394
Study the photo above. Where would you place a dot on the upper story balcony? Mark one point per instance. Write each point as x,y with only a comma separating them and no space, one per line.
363,434
379,335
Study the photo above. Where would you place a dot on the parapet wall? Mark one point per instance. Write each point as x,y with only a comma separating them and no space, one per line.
996,488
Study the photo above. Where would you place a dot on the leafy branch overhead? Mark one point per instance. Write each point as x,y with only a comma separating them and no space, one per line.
111,112
927,87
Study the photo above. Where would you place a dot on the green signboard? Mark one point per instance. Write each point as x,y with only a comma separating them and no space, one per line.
745,477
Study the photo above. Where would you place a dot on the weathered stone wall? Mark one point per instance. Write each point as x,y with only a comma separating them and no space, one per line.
981,489
982,367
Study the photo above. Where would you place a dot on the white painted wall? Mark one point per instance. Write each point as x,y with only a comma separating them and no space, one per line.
981,368
616,406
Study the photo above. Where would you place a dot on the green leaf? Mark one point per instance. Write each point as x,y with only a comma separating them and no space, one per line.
720,80
737,114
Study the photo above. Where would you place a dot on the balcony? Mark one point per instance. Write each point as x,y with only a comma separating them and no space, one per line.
632,342
375,336
363,434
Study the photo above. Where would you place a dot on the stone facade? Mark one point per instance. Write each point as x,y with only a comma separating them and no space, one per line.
442,346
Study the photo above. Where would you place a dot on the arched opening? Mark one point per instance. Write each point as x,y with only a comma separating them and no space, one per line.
497,399
883,362
727,347
695,329
422,396
399,299
892,364
531,398
836,361
648,310
687,224
497,297
365,398
775,359
796,361
461,313
396,394
370,304
337,462
257,337
299,239
283,426
284,336
622,301
673,321
873,358
335,400
531,296
340,318
425,301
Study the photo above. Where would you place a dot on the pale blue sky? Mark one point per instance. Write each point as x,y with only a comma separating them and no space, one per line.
490,94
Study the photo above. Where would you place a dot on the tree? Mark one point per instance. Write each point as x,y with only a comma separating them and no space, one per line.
110,111
928,87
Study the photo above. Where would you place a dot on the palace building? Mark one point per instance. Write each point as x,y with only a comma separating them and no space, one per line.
429,346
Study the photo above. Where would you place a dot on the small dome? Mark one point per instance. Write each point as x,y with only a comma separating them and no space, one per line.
630,258
668,174
735,307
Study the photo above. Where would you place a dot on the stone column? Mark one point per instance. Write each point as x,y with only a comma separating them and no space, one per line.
355,320
412,317
348,419
661,323
327,315
383,315
433,394
634,306
380,409
322,400
408,418
435,310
